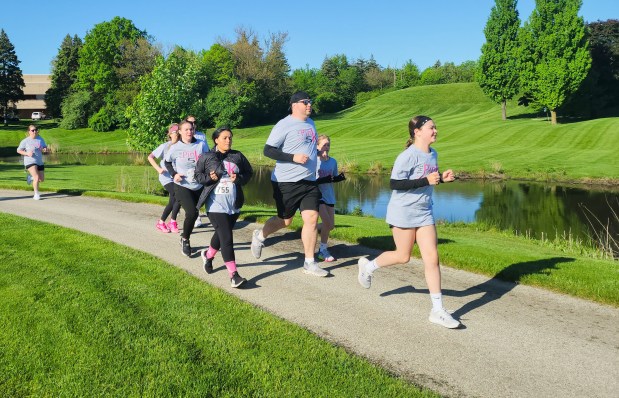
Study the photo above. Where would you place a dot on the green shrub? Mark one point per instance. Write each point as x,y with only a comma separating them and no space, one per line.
75,110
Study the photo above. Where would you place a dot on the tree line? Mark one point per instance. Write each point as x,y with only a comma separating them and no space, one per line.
118,77
554,61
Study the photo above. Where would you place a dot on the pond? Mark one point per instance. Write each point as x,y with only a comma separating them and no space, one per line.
533,209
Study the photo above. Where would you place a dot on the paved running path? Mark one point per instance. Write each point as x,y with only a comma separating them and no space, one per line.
517,341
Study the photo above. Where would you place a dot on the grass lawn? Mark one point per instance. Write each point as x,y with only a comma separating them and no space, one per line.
119,322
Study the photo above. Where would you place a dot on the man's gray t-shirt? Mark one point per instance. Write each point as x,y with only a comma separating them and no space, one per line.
35,145
291,135
184,158
407,207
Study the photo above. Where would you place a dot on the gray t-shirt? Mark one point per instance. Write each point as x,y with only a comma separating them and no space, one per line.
184,158
406,207
222,197
35,145
327,168
164,178
292,135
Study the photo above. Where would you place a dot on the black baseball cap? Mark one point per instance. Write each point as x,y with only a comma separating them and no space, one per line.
298,96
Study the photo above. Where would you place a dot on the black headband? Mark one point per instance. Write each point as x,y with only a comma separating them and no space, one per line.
422,120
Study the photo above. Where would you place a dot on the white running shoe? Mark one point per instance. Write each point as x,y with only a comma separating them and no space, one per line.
198,223
314,269
36,197
256,244
443,318
364,278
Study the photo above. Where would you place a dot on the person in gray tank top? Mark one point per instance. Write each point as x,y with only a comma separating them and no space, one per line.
409,214
292,143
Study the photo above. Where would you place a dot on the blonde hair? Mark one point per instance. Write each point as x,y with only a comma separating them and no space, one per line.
322,137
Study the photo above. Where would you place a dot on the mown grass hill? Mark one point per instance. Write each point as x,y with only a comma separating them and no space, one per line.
472,137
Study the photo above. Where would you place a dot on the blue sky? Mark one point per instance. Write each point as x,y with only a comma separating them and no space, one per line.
391,31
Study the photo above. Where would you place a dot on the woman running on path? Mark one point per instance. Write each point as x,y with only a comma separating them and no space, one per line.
180,161
409,214
173,206
32,149
223,171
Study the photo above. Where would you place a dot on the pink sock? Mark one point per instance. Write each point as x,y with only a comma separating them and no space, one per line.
210,253
231,265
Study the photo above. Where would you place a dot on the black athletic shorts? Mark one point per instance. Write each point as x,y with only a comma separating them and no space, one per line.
40,167
292,196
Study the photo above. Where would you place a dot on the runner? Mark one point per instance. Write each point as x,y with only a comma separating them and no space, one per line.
223,171
173,206
180,161
326,175
32,149
200,136
409,214
292,143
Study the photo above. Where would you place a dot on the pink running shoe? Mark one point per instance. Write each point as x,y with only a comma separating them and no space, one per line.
173,226
162,227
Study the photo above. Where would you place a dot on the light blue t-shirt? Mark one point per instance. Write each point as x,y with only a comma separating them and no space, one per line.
409,208
184,158
292,135
222,197
164,178
35,145
327,168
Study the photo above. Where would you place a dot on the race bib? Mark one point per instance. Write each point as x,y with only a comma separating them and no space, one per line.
224,187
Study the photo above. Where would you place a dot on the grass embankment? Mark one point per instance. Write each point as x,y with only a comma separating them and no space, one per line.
107,320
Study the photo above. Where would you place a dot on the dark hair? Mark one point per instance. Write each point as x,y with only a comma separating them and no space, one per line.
415,123
220,130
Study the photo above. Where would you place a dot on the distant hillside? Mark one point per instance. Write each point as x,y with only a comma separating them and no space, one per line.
473,139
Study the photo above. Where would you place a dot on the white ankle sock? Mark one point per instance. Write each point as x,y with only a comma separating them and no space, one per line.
309,260
371,266
437,301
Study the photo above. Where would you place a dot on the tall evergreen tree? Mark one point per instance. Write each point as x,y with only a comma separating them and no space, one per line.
11,78
497,72
555,53
64,74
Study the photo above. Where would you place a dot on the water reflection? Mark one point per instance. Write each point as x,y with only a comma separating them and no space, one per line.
533,209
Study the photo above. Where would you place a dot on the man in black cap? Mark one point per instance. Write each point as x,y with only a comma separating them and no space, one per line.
292,143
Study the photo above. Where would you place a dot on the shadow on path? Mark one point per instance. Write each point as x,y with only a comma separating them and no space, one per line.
496,287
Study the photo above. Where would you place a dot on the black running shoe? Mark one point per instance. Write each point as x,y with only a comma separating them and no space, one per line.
185,247
237,280
208,262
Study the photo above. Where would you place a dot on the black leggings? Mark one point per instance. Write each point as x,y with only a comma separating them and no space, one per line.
222,239
173,206
189,200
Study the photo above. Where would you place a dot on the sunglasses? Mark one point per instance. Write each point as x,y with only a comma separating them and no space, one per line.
34,130
305,102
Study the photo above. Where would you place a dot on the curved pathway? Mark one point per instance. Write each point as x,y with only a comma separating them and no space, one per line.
517,341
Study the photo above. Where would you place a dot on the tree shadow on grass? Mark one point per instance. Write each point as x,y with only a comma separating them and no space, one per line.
496,287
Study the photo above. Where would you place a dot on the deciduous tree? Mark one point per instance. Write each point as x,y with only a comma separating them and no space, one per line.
555,56
497,72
